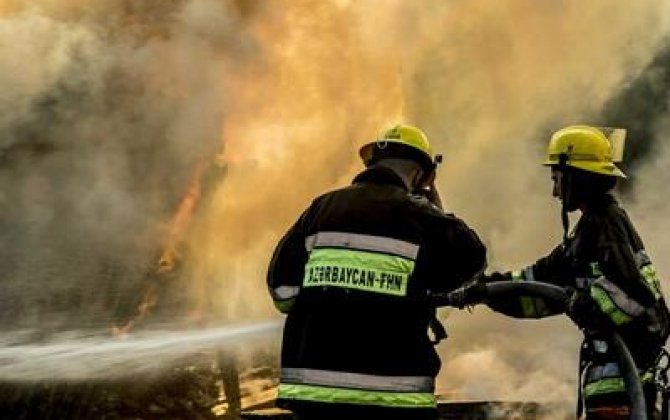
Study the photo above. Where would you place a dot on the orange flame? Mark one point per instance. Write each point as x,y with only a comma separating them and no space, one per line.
170,255
181,221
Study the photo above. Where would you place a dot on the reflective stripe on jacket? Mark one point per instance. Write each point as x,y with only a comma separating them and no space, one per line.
353,274
356,388
606,257
607,379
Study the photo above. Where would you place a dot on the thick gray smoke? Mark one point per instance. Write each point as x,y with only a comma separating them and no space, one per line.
105,112
642,108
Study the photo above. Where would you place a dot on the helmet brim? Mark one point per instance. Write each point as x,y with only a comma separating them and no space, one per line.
365,152
594,167
380,149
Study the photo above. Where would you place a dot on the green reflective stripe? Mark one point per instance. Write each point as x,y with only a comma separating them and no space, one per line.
531,307
284,296
611,370
595,269
527,302
620,298
353,380
611,385
362,270
357,258
356,396
649,274
608,306
284,306
528,307
604,386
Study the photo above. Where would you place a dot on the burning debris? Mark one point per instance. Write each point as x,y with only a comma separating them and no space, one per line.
191,391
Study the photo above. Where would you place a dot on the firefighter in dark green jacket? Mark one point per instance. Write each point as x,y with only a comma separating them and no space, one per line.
353,274
604,261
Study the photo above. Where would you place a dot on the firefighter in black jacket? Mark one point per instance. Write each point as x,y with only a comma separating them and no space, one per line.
604,261
353,274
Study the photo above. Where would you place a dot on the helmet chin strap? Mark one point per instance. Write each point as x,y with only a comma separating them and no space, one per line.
565,192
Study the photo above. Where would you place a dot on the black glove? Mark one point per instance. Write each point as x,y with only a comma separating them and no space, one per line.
430,192
471,294
585,312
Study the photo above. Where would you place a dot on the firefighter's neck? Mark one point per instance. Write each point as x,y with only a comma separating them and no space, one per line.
593,203
582,207
407,170
586,207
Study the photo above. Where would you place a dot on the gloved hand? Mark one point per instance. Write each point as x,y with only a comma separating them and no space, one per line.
471,294
585,312
430,192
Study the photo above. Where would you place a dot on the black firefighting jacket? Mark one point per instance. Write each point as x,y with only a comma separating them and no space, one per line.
353,274
605,258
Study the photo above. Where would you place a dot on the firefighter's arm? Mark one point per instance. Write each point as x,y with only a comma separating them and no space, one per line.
470,254
620,291
286,269
463,259
547,270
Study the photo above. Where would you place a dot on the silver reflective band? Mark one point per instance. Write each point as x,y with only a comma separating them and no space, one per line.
596,373
357,380
528,273
285,292
600,346
641,258
621,299
584,282
363,243
608,370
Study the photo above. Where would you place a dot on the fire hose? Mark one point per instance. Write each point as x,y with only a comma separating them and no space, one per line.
469,296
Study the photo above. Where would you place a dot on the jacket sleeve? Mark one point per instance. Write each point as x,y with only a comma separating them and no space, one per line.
287,267
461,260
549,269
623,290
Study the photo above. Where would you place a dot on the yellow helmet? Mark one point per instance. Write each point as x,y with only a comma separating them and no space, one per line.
584,147
412,141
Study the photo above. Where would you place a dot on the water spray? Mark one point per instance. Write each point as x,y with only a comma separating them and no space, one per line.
76,358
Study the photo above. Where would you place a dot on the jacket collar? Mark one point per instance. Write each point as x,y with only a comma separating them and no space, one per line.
380,175
600,202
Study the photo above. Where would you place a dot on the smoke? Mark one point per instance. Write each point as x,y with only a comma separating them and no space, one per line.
641,106
109,106
106,110
648,206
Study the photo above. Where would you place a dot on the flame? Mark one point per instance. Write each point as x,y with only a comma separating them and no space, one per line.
299,113
181,222
170,256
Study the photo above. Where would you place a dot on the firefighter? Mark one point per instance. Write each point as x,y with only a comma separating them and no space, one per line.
604,261
352,274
